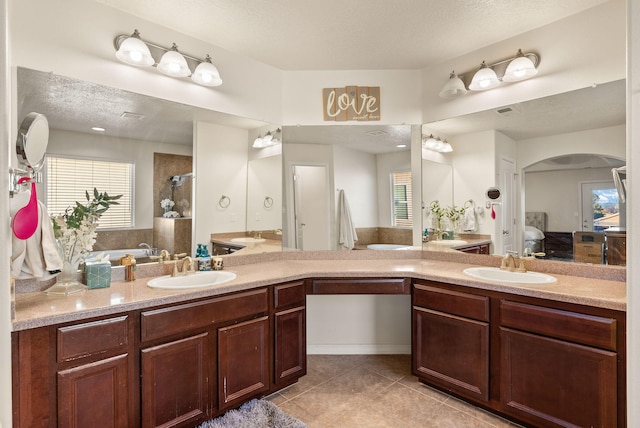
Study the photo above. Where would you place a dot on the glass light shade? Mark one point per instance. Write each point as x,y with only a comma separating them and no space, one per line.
430,143
173,64
484,79
453,88
134,51
446,147
520,68
206,74
258,143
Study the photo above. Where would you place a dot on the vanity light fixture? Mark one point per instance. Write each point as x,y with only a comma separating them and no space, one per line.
132,50
454,87
484,79
520,67
269,139
436,144
173,63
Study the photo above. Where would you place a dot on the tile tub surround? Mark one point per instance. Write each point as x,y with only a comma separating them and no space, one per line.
35,309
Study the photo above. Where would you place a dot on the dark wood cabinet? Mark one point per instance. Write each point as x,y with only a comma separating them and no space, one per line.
92,392
538,362
290,332
558,367
243,362
451,340
174,379
475,249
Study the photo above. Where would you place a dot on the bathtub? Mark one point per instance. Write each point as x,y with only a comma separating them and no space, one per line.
116,255
388,247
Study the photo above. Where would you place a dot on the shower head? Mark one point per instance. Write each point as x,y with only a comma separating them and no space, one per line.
177,180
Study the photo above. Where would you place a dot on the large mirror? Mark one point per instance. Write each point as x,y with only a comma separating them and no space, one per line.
364,167
563,147
159,138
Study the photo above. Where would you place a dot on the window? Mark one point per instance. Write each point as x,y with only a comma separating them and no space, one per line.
402,199
67,180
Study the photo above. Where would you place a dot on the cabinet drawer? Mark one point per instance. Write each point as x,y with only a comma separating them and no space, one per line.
290,294
451,302
361,286
176,319
572,326
92,338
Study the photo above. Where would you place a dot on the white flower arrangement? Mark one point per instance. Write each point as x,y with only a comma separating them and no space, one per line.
75,230
167,204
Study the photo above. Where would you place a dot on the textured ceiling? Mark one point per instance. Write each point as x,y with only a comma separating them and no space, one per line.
351,34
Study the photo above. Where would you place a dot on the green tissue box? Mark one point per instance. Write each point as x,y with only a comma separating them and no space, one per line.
98,275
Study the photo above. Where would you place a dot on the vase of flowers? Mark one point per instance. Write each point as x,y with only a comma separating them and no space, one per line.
167,205
454,214
75,232
437,212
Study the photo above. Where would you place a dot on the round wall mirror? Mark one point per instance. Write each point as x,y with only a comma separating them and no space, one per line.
493,193
33,138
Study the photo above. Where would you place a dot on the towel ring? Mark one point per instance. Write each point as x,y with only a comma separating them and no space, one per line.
268,202
224,201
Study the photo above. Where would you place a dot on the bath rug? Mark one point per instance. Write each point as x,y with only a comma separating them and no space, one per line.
255,414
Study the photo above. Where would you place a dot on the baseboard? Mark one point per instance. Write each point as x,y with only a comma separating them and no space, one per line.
358,349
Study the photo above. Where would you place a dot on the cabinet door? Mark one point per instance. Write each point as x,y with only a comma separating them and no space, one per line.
290,345
175,382
451,352
550,382
95,394
243,362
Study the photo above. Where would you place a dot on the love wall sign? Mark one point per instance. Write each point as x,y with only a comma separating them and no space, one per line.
351,103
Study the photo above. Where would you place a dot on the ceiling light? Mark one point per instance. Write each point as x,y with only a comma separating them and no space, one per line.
520,68
173,63
401,146
454,87
134,51
98,129
484,79
207,74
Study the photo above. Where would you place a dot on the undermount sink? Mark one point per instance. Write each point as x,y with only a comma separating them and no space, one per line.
196,280
497,274
248,240
449,242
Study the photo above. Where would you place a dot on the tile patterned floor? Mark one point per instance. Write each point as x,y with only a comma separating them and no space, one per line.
351,391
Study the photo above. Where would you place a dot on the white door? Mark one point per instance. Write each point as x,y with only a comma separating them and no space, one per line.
507,220
600,207
311,207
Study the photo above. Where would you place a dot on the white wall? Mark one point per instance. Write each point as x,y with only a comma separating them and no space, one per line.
474,171
264,179
358,324
119,149
558,194
355,173
399,94
75,38
217,175
575,52
610,141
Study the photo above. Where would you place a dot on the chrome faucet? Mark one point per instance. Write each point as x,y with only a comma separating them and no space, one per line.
149,251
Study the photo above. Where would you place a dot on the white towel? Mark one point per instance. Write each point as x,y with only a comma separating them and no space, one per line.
37,256
348,234
469,223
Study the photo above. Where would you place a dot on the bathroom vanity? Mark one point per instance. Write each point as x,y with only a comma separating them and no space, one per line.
549,355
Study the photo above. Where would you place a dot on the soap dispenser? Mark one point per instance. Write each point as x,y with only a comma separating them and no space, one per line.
204,259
